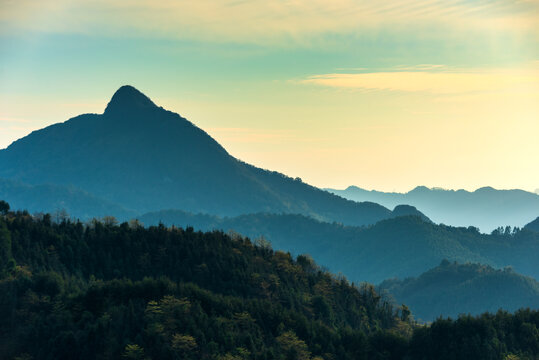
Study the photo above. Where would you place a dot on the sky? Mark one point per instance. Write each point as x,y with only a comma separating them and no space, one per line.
384,95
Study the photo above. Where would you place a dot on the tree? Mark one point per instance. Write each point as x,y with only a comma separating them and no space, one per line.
293,347
133,351
110,221
61,215
7,263
405,313
4,207
184,344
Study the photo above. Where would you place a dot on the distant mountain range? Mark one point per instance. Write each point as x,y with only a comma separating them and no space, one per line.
451,289
485,208
401,247
139,157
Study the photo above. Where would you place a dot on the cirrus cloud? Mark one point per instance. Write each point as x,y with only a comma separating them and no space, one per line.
258,20
425,78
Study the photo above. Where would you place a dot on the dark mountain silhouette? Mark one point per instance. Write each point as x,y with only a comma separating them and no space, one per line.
485,208
451,289
145,158
398,247
406,210
54,198
534,225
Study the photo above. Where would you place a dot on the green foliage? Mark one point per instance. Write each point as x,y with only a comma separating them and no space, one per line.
107,291
7,263
134,352
489,336
4,207
399,247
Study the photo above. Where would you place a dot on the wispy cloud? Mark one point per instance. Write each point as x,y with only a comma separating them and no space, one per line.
260,20
436,79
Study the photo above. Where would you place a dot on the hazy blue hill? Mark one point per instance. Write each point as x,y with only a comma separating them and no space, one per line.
534,225
146,158
53,198
485,208
397,247
451,289
406,210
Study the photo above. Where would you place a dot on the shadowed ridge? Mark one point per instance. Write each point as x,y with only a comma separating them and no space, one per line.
534,225
127,98
408,210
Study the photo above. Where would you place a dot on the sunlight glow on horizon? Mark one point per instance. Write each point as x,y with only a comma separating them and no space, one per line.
348,92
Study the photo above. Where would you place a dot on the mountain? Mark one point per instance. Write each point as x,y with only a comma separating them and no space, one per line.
485,208
106,291
451,289
397,247
145,158
534,225
110,291
56,198
407,210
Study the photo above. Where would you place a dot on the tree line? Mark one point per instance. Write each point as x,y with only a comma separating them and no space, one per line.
103,290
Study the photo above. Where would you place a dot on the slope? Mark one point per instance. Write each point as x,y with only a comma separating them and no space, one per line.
451,289
54,198
145,158
398,247
109,291
533,226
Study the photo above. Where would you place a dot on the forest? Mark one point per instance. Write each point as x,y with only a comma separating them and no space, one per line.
452,288
401,247
109,290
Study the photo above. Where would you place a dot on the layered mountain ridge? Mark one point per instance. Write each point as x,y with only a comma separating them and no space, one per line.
486,208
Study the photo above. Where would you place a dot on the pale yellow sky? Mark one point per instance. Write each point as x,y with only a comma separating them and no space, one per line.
383,95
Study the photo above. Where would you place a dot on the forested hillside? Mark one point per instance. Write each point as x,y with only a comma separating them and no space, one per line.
105,291
451,289
102,290
399,247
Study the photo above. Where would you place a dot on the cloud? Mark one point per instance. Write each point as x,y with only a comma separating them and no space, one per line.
259,20
435,80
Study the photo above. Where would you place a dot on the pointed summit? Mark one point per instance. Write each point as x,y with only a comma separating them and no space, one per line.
127,98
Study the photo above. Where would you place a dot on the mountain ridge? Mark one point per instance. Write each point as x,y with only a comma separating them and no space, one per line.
146,158
486,208
451,289
401,246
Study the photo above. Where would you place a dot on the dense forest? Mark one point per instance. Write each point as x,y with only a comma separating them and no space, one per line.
451,289
400,247
102,290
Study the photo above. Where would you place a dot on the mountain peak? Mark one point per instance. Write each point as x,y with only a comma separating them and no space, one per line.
128,98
